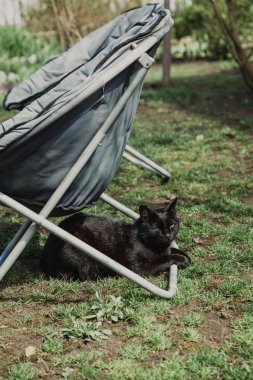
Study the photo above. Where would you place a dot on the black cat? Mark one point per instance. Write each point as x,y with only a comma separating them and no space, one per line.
143,246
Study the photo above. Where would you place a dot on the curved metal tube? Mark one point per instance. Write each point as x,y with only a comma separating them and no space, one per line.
136,157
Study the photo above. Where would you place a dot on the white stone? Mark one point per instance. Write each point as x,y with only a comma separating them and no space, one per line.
3,78
12,77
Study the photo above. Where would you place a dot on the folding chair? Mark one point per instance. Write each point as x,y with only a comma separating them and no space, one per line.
88,55
59,153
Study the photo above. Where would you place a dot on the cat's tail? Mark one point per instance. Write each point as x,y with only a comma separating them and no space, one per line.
73,222
54,245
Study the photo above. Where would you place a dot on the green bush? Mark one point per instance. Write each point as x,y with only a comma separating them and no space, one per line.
19,42
72,20
22,52
199,22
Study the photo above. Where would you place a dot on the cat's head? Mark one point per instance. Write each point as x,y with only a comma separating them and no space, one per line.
157,228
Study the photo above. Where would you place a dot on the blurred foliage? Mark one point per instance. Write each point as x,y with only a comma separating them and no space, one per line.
234,31
22,51
199,22
19,42
195,34
56,25
71,20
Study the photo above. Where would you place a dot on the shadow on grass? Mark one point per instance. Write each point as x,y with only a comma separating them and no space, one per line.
220,96
43,299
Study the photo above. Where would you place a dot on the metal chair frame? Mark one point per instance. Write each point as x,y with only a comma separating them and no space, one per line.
34,220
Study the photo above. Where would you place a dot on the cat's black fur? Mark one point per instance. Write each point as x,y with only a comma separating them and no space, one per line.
143,246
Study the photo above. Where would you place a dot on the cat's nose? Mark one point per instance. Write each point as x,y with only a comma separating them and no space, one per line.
167,236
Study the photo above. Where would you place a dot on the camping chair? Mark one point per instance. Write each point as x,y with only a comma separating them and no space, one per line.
60,153
87,55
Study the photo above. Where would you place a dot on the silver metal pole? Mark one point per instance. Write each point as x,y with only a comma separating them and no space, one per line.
75,170
119,206
92,252
158,169
14,241
137,162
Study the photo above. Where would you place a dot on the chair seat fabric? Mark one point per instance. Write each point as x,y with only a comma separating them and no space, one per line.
41,143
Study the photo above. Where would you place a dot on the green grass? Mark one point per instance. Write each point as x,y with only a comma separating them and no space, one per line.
22,371
199,128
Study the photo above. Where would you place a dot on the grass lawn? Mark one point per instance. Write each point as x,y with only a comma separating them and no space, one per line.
200,128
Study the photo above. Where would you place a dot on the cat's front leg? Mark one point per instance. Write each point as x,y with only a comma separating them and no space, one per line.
159,264
181,260
179,252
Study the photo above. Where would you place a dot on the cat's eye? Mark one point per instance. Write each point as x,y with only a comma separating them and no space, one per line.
172,227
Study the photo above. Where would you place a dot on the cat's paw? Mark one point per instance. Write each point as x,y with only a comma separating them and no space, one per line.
183,262
181,259
176,251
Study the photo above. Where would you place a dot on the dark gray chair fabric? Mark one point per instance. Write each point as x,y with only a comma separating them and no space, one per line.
41,143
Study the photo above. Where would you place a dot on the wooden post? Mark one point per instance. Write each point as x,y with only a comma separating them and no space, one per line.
166,61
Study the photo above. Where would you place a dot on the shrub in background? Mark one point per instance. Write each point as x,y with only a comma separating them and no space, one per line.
72,20
19,42
51,28
200,22
235,21
22,52
197,22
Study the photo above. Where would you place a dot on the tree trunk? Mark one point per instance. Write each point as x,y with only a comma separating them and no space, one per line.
166,61
229,30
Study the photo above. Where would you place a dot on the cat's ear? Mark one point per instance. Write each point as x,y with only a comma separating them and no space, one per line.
171,209
146,214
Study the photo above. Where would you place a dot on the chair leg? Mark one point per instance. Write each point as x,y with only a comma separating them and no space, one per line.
119,206
139,163
92,252
14,241
139,159
17,249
